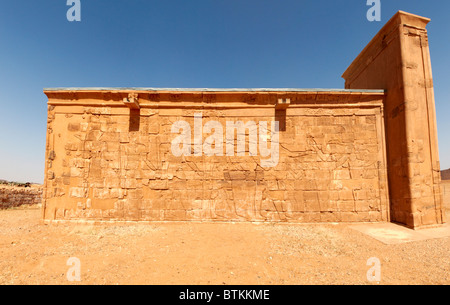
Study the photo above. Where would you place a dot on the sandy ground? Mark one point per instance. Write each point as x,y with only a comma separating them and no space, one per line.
209,253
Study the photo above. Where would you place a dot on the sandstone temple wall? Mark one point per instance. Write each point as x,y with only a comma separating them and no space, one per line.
365,153
398,60
109,162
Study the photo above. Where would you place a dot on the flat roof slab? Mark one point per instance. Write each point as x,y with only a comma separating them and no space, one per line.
214,89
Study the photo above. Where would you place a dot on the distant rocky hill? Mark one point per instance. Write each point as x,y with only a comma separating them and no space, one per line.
14,194
445,174
18,184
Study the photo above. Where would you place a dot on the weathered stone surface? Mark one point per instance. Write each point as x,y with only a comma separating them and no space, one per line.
110,159
331,164
398,60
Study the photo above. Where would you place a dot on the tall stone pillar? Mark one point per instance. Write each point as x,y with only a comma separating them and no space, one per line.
398,60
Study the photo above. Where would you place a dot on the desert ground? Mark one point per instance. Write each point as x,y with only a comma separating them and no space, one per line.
209,253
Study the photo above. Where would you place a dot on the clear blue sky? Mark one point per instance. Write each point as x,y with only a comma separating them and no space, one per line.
181,43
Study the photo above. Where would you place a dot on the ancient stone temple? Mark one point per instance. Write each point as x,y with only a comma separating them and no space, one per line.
365,153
